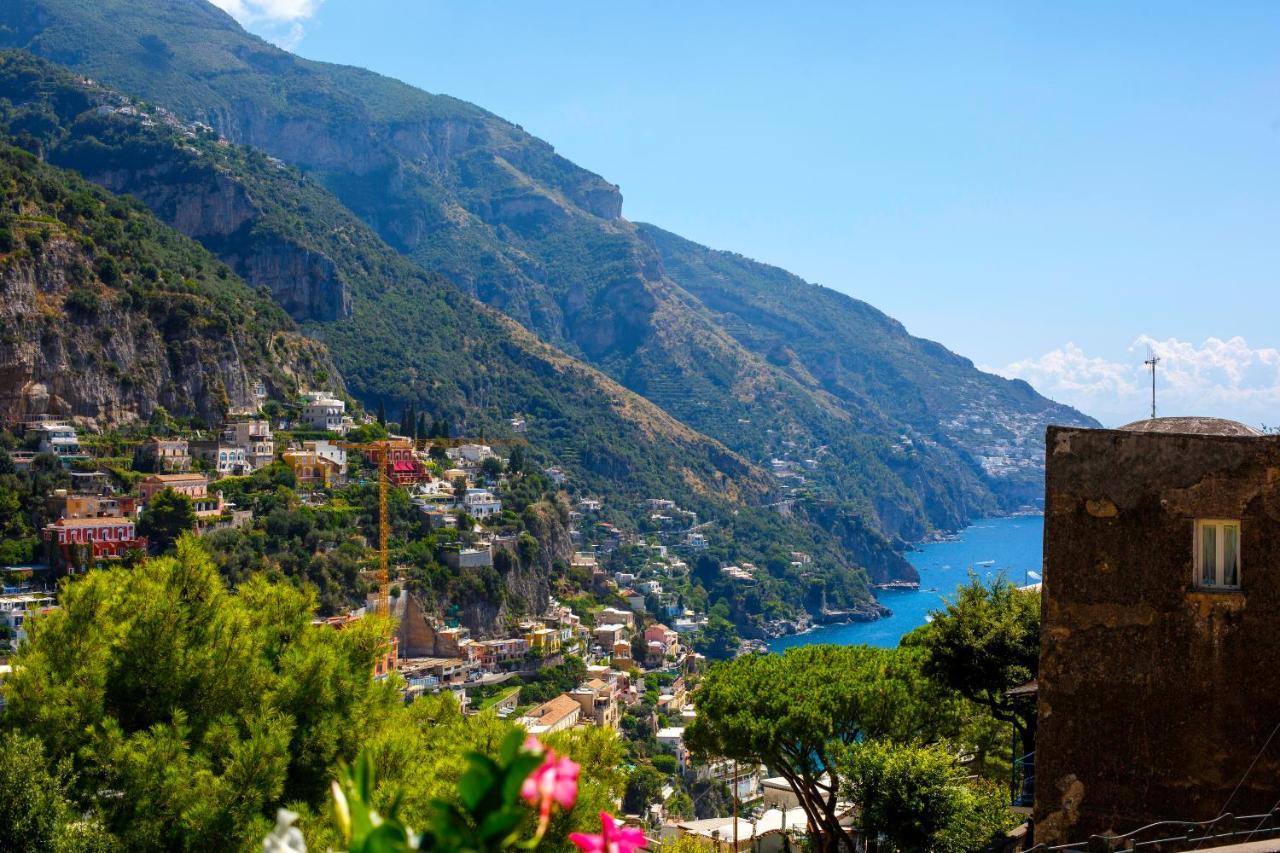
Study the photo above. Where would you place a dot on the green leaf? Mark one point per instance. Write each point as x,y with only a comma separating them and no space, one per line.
517,772
500,824
477,783
511,746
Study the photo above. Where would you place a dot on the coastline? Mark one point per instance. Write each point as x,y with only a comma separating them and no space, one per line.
1009,545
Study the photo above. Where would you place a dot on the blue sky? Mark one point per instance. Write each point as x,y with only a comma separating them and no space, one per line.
1045,188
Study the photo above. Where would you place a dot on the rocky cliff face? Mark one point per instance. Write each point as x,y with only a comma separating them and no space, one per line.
302,281
106,363
106,314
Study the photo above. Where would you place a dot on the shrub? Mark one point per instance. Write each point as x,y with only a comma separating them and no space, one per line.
82,300
108,270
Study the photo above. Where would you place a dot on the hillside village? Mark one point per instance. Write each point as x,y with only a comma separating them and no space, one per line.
613,645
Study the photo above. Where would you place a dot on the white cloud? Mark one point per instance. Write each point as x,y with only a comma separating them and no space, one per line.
279,21
1225,378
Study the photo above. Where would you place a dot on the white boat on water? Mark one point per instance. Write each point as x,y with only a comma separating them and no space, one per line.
985,563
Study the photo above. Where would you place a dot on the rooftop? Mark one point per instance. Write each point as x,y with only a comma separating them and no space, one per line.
90,522
1192,426
553,711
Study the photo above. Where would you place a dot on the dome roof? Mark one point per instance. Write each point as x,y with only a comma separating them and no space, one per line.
1192,426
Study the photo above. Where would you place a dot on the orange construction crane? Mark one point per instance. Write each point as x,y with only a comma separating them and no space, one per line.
383,448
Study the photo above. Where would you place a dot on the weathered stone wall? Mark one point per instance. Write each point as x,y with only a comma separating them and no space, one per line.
1155,696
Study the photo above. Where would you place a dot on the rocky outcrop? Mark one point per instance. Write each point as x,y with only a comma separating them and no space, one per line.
305,283
868,547
518,584
94,356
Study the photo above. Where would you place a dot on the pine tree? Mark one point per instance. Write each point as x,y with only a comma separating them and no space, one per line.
422,430
382,414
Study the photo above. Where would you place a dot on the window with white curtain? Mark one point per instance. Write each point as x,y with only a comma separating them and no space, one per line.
1217,553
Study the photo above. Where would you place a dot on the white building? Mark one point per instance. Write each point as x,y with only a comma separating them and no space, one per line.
58,439
614,615
326,449
607,635
672,740
14,611
469,558
562,712
481,503
472,454
696,541
322,411
226,459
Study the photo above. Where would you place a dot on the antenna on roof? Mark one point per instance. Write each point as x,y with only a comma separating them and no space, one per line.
1152,361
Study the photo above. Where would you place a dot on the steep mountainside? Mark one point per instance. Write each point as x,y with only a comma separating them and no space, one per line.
105,313
467,194
397,332
866,359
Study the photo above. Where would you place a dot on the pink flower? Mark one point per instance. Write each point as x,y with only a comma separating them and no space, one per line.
612,838
555,781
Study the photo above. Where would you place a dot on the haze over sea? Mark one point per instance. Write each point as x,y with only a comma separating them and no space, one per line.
1012,546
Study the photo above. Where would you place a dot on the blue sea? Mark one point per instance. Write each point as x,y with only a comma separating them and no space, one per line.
1012,546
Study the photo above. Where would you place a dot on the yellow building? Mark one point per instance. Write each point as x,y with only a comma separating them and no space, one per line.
544,639
311,469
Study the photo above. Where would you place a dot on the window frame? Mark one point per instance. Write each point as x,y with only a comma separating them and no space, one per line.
1219,525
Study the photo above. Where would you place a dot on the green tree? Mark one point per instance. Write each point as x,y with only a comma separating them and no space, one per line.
160,422
916,798
706,570
719,640
491,468
366,433
33,803
167,516
680,805
796,711
644,787
516,461
188,714
665,764
983,644
382,414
